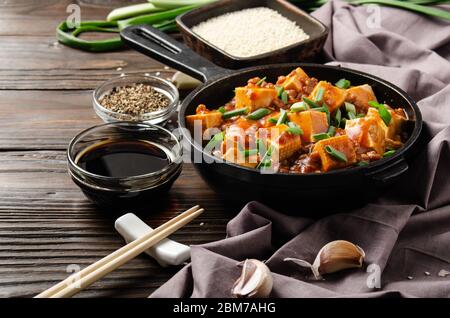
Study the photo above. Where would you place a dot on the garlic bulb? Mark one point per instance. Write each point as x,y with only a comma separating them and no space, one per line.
333,257
255,280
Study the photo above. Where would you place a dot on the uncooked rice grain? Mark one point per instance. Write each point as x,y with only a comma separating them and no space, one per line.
250,32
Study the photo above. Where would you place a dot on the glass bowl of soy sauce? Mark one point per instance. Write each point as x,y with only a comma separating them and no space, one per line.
125,164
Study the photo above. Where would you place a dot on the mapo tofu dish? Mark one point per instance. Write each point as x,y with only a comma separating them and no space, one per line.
301,124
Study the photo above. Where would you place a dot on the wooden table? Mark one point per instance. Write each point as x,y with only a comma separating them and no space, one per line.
47,226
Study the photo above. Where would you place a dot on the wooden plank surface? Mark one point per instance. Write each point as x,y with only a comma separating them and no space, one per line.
46,224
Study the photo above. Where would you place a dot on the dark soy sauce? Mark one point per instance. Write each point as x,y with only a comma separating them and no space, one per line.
121,159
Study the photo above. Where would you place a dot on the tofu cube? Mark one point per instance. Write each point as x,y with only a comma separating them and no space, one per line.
311,121
395,126
254,97
341,143
207,120
295,80
360,96
283,143
238,157
368,132
334,96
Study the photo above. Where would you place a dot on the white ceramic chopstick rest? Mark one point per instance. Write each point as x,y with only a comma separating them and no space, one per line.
167,252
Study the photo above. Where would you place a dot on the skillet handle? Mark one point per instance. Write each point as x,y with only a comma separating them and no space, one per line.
165,49
386,174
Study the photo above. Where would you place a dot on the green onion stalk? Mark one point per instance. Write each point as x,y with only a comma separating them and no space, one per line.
162,20
419,6
161,14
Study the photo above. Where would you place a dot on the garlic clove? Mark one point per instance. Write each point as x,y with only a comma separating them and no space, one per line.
255,281
339,255
333,257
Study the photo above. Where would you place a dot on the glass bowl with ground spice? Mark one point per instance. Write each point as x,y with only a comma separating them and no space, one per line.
137,98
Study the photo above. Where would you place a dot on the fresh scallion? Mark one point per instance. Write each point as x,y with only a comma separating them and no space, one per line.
262,80
273,120
320,136
388,153
324,109
417,7
382,110
234,112
338,118
221,109
250,152
265,160
350,108
331,131
343,83
299,107
336,153
170,4
285,97
132,11
215,140
283,117
362,163
319,95
351,115
259,113
279,90
294,129
311,103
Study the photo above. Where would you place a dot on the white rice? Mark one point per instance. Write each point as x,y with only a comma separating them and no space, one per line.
250,32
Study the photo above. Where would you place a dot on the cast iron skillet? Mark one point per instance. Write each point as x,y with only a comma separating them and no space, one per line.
347,187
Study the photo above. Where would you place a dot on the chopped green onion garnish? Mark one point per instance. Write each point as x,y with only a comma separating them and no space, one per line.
311,103
265,160
265,163
362,163
350,108
294,129
320,136
222,109
351,115
280,90
336,153
388,153
360,115
385,115
324,109
319,95
262,80
299,107
259,113
343,83
338,118
273,120
374,104
250,152
283,117
382,110
343,122
234,112
285,97
331,131
215,140
260,146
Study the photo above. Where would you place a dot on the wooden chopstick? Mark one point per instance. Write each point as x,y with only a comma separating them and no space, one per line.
78,281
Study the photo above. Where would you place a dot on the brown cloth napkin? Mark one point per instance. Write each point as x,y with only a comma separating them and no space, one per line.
405,233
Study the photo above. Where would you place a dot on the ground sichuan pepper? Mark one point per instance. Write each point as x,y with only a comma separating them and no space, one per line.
135,99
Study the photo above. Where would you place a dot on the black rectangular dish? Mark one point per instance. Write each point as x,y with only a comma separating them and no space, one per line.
303,51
